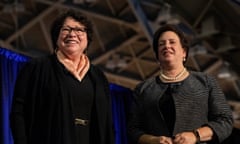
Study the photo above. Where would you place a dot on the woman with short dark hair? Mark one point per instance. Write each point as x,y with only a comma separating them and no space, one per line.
179,106
63,98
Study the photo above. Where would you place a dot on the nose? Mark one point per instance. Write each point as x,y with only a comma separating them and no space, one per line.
71,32
167,44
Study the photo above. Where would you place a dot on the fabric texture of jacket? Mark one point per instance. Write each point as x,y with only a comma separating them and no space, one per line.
41,112
198,101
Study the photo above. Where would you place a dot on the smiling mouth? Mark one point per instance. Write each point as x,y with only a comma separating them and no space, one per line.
166,52
70,42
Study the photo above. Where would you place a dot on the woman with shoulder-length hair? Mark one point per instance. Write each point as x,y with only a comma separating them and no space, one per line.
63,98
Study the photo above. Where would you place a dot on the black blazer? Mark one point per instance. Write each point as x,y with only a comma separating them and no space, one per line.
41,111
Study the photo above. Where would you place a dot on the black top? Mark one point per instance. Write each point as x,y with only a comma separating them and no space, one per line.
167,109
82,98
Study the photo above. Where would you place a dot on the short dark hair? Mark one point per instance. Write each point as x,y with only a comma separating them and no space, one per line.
169,27
59,21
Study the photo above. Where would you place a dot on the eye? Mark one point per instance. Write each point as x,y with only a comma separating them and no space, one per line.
76,30
161,43
65,29
79,30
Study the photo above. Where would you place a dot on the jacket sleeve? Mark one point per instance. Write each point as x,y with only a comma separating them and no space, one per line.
103,106
17,120
22,101
134,129
220,114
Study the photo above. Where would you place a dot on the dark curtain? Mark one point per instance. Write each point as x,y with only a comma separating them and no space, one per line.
121,100
10,65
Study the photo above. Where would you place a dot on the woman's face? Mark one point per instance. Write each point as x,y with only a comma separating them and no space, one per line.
170,50
72,37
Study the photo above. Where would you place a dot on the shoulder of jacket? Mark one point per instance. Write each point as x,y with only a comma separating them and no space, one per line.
144,85
39,60
201,74
202,77
96,70
36,64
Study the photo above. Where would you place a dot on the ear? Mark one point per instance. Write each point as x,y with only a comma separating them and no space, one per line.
184,52
85,51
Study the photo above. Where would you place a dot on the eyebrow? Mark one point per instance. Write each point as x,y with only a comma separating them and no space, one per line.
74,26
167,40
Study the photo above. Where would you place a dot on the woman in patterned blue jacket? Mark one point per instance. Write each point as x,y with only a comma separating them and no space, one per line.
179,106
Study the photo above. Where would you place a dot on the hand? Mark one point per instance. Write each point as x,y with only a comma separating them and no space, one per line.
185,138
150,139
165,140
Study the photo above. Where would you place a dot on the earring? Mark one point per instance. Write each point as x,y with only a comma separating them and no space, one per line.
184,59
55,50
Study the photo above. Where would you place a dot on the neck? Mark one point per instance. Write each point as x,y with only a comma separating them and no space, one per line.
71,58
174,77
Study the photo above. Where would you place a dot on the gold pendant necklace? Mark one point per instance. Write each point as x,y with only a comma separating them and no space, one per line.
173,78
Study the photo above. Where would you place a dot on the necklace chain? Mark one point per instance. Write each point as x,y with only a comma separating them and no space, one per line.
173,78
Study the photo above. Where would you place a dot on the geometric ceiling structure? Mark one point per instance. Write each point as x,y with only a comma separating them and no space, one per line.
123,30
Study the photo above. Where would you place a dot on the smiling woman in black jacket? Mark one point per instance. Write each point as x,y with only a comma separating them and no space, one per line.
62,98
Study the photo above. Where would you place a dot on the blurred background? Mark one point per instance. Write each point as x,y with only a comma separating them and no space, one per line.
123,31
